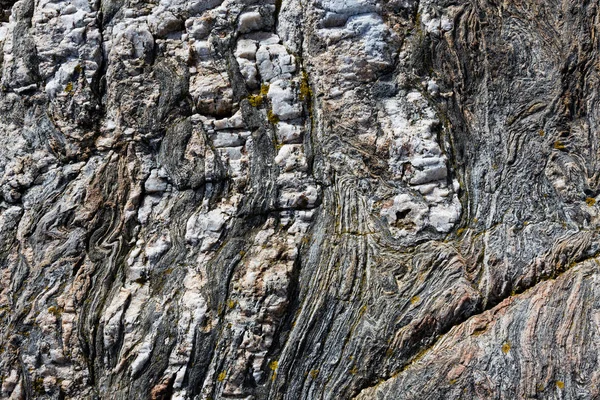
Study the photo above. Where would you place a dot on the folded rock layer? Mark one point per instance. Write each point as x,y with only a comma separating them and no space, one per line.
299,199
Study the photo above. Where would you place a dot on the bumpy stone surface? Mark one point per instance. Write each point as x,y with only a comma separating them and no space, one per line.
299,199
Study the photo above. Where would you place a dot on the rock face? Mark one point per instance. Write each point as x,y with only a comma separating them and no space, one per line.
299,199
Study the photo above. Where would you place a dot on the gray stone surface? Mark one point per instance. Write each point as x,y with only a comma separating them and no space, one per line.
299,199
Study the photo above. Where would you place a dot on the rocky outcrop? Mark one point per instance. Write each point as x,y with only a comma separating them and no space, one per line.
298,199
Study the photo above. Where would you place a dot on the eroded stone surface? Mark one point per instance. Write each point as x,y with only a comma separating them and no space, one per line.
297,199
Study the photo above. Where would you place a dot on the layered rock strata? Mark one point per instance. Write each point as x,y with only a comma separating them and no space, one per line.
299,199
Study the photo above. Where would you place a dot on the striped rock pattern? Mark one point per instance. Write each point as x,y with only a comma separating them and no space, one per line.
299,199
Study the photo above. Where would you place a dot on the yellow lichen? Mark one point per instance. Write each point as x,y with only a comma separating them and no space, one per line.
222,376
38,386
418,21
558,145
506,347
452,381
69,87
255,100
272,117
362,310
230,303
305,90
415,300
273,365
590,201
560,384
354,370
314,373
264,89
54,311
542,133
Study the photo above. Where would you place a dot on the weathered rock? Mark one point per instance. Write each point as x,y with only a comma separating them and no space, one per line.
317,199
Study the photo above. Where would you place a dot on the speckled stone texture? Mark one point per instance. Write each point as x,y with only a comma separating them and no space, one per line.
299,199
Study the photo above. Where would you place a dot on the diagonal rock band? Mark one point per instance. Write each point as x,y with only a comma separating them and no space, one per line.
299,199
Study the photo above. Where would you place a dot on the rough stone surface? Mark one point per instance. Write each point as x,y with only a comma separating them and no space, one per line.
299,199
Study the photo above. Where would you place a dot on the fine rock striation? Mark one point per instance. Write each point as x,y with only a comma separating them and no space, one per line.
299,199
